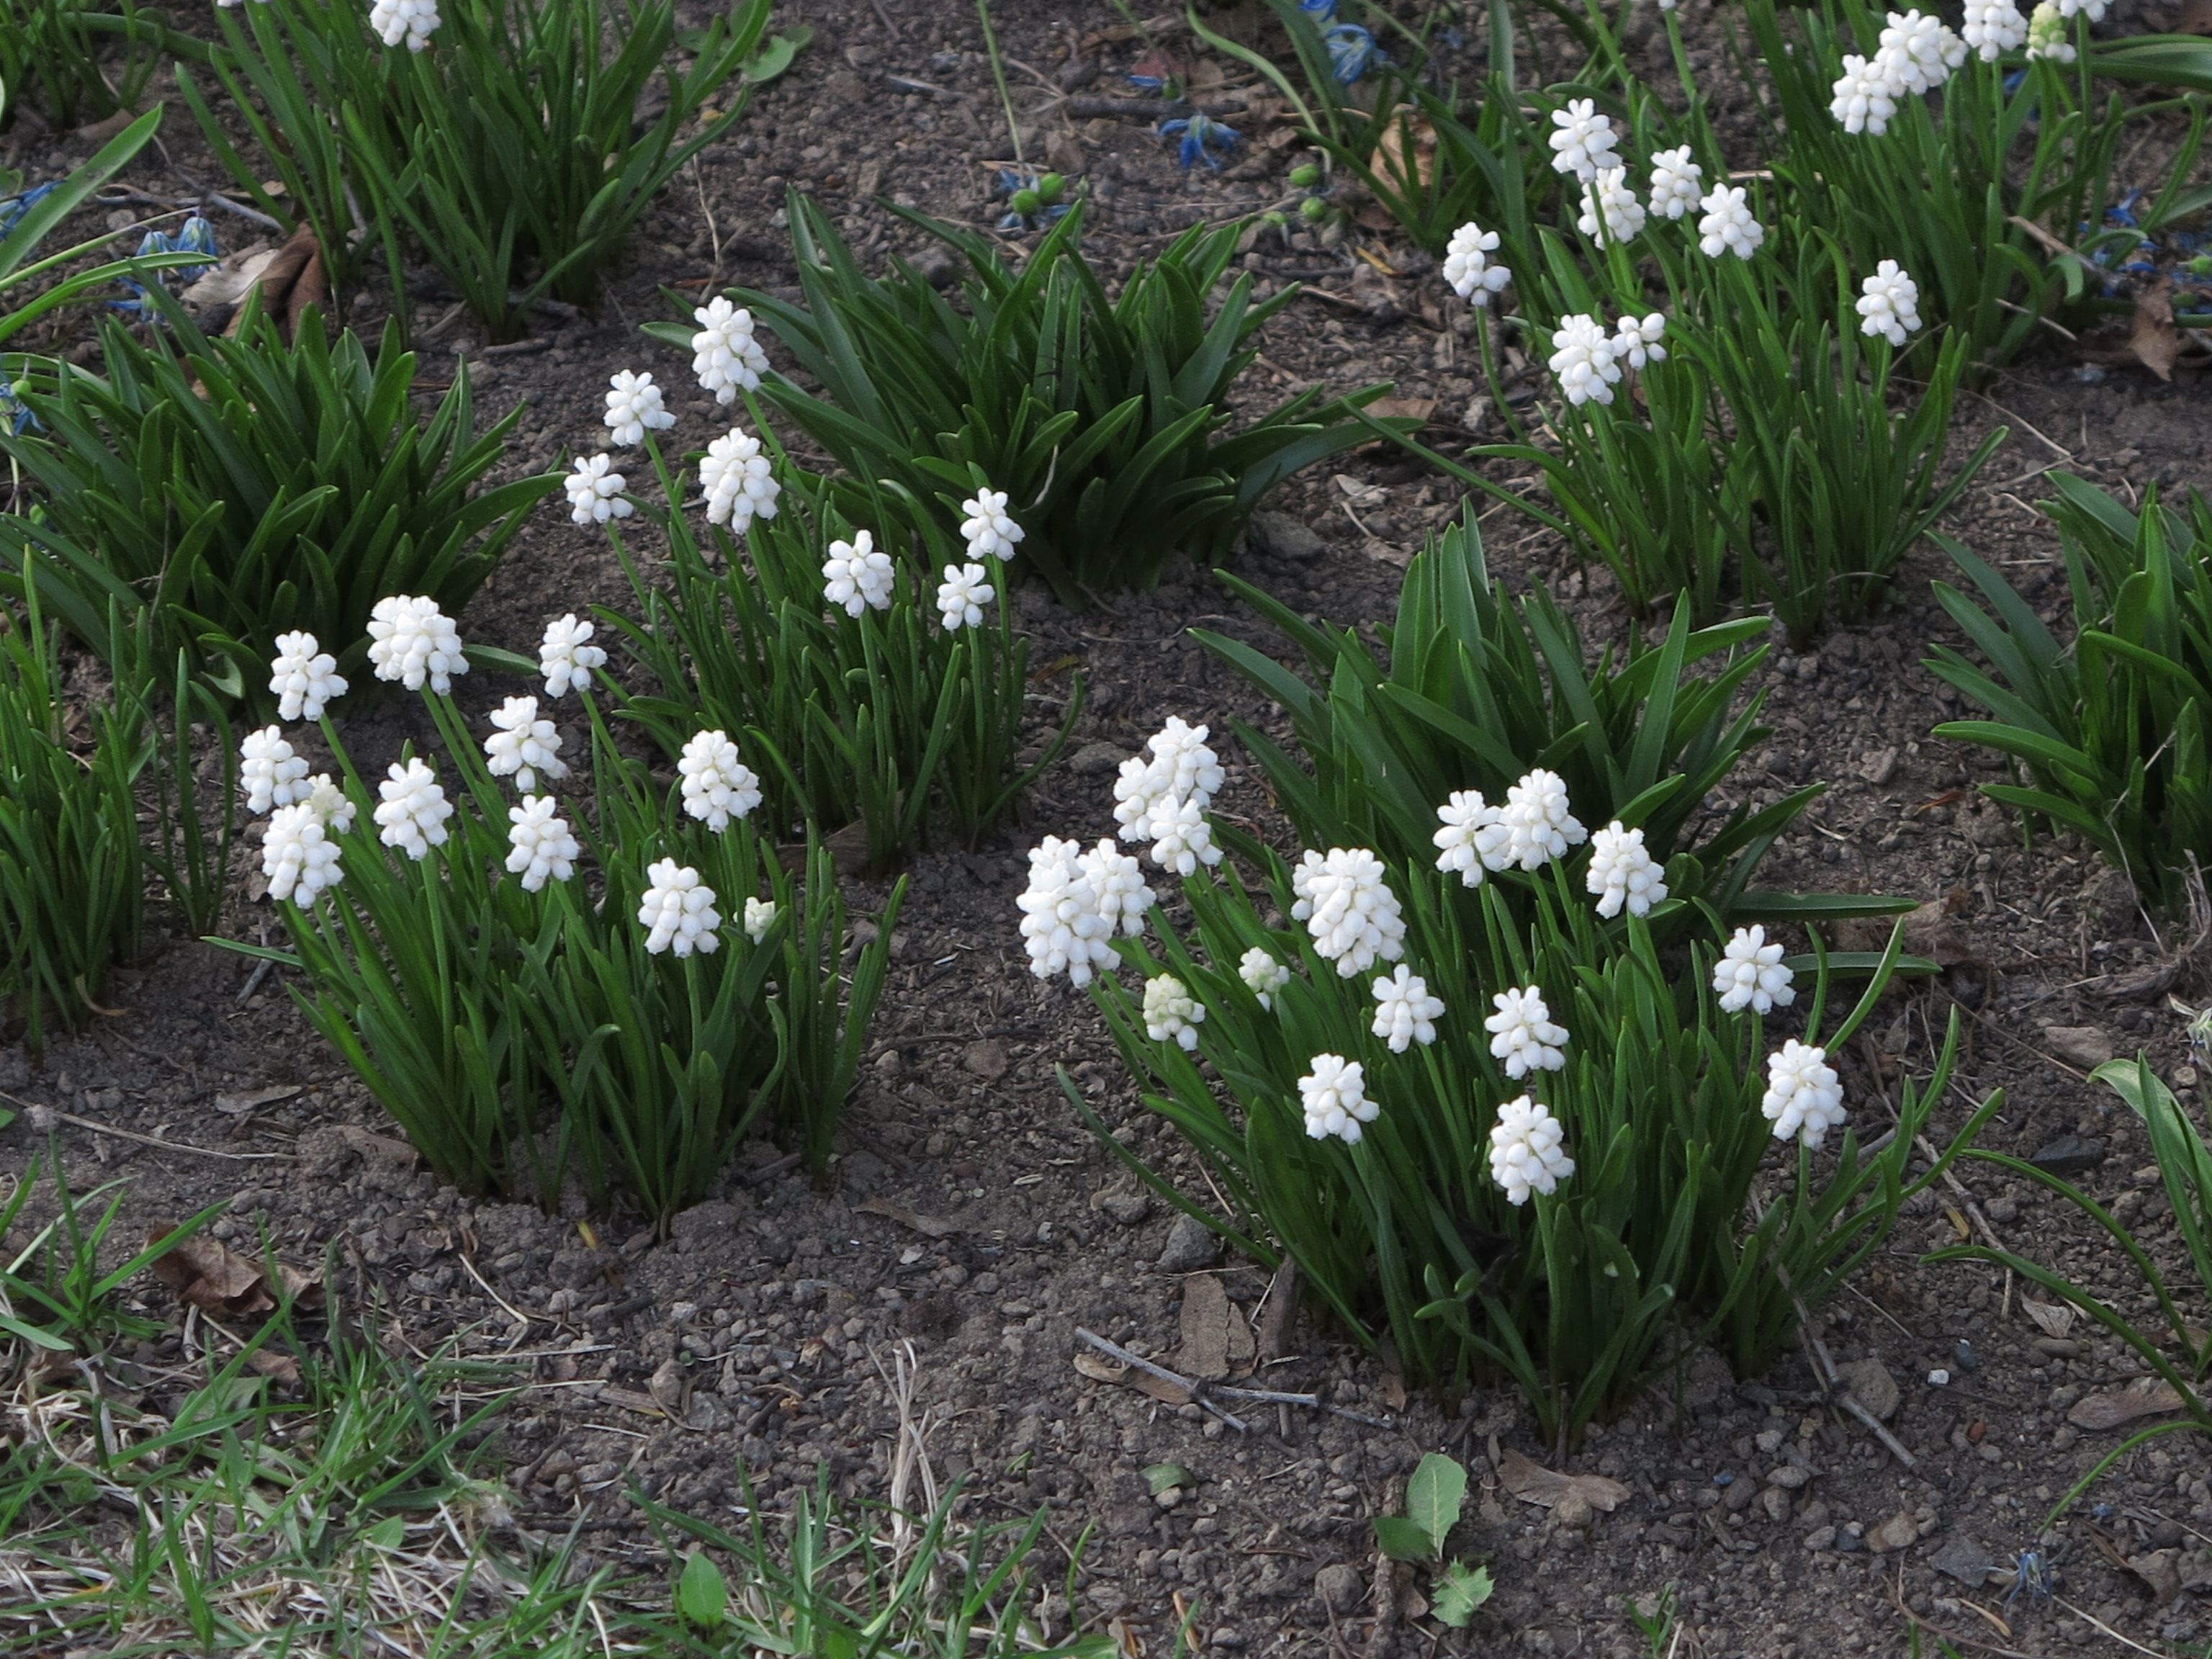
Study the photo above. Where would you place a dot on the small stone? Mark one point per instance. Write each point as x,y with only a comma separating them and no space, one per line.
1895,1533
1573,1511
2085,1046
1096,760
1869,1379
2069,1155
1127,1208
1191,1246
1776,1503
1282,537
1879,766
986,1060
1963,1558
1789,1477
1939,1378
1339,1587
1821,1538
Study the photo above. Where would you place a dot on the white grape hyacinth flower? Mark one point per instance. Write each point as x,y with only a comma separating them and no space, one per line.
1468,267
1162,795
985,524
413,642
1523,1035
635,408
566,656
1610,213
1075,902
540,847
738,481
1889,304
1622,874
1538,825
523,743
1473,838
1527,1150
1582,360
1728,226
1677,182
1752,974
962,596
412,22
2046,34
677,911
2092,9
299,858
760,916
724,354
1334,1095
1262,975
1862,97
1172,1014
595,491
1404,1012
1917,52
331,804
718,786
1804,1099
857,576
1637,340
411,809
1582,141
1118,880
1350,910
1182,839
303,677
1993,28
270,772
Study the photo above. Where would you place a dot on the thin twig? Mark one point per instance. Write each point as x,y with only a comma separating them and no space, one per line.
1824,1370
97,1128
1199,1390
1196,1390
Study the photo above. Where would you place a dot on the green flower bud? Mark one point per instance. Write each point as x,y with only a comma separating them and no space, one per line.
1050,188
1306,177
1025,201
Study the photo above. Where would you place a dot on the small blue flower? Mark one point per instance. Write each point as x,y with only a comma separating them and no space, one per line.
1351,52
1322,11
1148,82
1197,132
197,236
13,209
14,410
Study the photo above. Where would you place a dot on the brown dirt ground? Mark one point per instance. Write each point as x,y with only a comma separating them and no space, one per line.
781,1303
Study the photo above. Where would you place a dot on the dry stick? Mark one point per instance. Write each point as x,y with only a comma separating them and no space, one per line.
71,1118
1199,1391
1825,1370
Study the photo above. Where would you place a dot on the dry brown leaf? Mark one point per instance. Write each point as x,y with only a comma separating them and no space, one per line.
208,1274
1215,1339
892,1210
239,1104
1407,150
1412,408
2196,18
1532,1483
2107,1408
2052,1318
848,851
379,1150
2155,342
1099,1368
2162,1570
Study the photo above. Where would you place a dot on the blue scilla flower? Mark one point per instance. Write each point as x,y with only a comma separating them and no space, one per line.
1197,132
197,236
1351,52
14,410
1322,11
14,207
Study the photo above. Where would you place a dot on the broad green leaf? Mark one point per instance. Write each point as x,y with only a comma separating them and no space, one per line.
701,1596
1459,1593
1403,1539
1434,1496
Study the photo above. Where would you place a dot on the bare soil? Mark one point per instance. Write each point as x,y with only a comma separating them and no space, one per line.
971,1215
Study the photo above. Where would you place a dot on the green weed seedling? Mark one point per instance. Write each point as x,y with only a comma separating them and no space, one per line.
1434,1497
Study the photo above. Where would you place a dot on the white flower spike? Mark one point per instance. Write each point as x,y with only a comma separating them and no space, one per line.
634,408
1172,1014
1752,974
412,641
989,531
1468,267
304,677
856,577
411,22
1582,141
1889,304
1611,212
522,745
567,656
595,491
1333,1095
1404,1012
1527,1150
1993,28
411,809
738,481
1582,361
1538,826
1677,182
269,773
962,596
1473,838
1348,907
1161,797
1804,1099
677,911
1636,340
539,845
1522,1037
718,786
760,916
299,858
1862,97
1728,226
725,355
2047,33
1262,975
1621,873
1075,902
